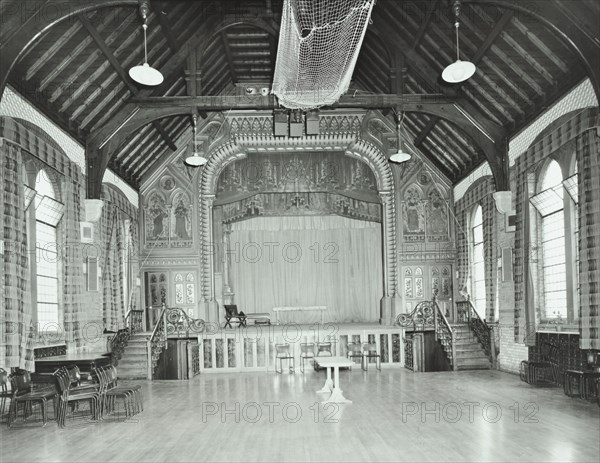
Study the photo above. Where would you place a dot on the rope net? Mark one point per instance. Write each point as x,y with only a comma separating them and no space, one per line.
319,42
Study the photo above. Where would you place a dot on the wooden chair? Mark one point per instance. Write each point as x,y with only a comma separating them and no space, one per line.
231,314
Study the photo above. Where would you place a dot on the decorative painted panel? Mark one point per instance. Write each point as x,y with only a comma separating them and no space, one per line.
413,211
181,221
156,221
437,217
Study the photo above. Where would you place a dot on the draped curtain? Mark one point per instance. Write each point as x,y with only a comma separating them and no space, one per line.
116,303
480,193
588,157
73,279
134,265
112,270
16,342
308,261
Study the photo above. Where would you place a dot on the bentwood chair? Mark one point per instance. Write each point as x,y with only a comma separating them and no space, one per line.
369,351
284,353
307,352
23,394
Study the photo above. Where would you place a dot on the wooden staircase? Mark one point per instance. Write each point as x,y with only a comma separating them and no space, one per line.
134,359
470,354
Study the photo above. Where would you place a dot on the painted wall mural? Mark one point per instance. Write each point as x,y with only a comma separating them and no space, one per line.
425,213
156,219
168,222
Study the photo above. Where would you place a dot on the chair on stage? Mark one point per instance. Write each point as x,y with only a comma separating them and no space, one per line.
369,351
231,314
284,353
307,352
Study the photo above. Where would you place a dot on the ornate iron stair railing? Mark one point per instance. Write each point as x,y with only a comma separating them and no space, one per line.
172,322
485,335
118,342
444,334
428,316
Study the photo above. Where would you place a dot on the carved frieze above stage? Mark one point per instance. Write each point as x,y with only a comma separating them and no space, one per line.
293,204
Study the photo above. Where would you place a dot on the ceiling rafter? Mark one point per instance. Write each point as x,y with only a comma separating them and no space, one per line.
164,25
228,55
101,44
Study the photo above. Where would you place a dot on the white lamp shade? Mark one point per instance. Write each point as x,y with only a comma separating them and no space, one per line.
146,75
195,160
503,201
459,71
400,157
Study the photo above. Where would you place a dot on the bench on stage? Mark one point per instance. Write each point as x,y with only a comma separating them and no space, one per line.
322,308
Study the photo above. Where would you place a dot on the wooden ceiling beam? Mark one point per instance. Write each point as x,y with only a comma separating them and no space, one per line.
101,44
425,131
431,7
257,102
578,33
485,46
229,57
31,26
492,36
165,26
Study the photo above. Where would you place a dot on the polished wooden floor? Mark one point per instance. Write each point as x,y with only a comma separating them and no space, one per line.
396,415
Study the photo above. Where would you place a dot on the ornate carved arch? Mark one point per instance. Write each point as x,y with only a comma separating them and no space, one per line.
230,151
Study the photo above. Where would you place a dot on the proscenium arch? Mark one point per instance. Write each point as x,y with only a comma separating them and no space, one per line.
229,152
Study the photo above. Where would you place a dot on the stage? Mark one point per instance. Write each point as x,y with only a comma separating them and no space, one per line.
252,347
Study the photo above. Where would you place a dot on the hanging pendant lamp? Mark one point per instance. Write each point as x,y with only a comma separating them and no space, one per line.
195,159
145,74
459,71
400,156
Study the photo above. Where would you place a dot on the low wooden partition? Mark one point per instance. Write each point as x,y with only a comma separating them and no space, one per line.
252,348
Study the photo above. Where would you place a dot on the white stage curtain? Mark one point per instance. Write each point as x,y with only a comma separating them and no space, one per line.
327,261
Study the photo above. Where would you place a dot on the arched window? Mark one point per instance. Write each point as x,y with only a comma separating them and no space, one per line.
478,263
553,245
48,213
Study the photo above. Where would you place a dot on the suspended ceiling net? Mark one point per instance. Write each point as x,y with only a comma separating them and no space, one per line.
319,42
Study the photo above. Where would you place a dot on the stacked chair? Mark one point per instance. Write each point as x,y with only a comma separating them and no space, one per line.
71,393
23,394
111,392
